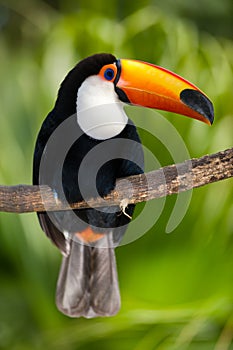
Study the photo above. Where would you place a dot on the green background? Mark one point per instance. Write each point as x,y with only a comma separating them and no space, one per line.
177,288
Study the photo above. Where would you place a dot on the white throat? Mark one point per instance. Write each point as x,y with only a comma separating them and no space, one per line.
100,113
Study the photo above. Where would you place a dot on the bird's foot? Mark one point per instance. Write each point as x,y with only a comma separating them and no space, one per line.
123,205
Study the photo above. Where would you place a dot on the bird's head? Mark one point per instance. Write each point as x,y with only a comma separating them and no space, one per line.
101,84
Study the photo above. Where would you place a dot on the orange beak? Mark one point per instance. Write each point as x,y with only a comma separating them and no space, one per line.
144,84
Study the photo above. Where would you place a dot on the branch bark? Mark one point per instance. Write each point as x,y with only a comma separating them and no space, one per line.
139,188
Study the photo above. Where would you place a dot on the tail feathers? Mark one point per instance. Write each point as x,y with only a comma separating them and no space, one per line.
88,282
72,297
105,294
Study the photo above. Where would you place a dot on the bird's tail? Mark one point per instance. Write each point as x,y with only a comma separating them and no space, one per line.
88,283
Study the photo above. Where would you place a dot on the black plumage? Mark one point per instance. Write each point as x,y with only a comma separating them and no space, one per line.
88,284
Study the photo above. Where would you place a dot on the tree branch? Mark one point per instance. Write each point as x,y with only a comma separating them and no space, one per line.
138,188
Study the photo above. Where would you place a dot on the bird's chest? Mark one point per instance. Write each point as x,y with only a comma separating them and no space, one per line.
89,169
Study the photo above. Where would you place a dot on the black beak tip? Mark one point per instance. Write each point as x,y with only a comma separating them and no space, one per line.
199,103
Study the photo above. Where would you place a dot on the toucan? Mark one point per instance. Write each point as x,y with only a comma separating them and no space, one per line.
93,95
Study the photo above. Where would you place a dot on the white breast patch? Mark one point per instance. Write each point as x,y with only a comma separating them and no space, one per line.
100,113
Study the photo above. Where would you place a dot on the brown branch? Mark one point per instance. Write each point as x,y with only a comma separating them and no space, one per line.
139,188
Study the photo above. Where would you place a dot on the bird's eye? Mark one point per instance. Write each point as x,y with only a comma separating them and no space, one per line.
109,74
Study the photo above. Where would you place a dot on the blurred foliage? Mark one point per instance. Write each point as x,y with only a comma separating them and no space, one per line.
177,289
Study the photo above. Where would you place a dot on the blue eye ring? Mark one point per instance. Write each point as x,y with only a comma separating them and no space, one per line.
109,74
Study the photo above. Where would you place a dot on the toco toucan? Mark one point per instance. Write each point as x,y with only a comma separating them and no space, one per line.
94,93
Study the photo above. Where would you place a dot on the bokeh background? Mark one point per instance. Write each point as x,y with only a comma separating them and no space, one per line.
177,288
